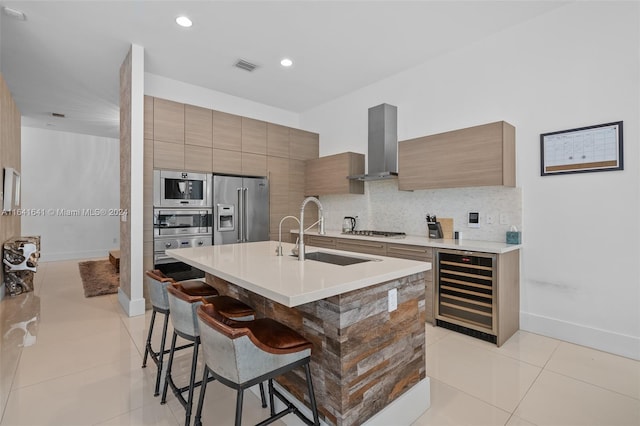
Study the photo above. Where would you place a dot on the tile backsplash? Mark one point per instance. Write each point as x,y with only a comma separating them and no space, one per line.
383,207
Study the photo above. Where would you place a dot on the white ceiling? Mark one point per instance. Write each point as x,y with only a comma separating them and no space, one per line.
65,57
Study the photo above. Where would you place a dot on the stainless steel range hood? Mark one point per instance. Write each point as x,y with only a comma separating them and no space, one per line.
382,156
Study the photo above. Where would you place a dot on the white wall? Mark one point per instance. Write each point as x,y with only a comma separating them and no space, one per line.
575,66
178,91
70,171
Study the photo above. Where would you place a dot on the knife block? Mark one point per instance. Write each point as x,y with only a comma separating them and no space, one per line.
446,227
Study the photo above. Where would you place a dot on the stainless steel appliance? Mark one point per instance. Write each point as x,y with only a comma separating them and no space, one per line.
349,224
465,293
181,189
240,209
167,222
179,271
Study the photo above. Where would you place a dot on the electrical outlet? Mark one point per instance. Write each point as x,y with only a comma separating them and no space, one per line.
504,219
489,219
393,299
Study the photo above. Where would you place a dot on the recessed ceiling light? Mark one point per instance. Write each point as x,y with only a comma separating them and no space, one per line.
286,62
183,21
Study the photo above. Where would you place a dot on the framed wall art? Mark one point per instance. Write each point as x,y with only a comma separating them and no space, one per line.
586,149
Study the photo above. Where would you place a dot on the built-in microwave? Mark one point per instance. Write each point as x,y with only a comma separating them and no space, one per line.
181,189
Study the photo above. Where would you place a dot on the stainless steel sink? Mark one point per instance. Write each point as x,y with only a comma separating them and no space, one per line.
335,259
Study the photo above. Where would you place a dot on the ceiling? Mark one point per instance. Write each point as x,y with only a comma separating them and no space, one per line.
65,57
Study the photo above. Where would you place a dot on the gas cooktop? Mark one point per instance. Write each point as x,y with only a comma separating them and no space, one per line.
369,233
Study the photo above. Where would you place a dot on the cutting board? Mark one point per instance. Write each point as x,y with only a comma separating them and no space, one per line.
447,227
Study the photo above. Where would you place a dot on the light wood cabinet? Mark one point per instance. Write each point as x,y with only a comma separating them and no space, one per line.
277,140
225,161
278,172
328,175
167,155
198,126
254,136
320,241
423,254
227,131
148,117
476,156
303,145
362,246
168,121
254,164
198,158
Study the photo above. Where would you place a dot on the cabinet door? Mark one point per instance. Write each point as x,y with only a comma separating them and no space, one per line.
225,161
360,246
328,175
198,158
168,121
303,145
227,131
148,117
167,155
278,172
477,156
198,126
424,254
277,140
254,136
296,192
254,164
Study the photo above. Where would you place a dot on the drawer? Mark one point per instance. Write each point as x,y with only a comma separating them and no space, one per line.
359,246
406,251
319,241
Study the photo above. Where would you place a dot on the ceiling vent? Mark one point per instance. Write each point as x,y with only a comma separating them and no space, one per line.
57,115
245,65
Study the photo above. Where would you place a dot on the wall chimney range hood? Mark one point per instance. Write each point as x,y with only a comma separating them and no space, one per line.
382,155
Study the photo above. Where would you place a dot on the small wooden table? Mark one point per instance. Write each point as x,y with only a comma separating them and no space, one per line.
114,258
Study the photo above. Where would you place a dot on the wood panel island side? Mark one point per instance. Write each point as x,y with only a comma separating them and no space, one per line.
368,364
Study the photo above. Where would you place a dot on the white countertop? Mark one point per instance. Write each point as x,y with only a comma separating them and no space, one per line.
414,240
285,279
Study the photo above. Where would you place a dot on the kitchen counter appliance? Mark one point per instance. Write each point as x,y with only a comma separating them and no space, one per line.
240,209
349,224
181,189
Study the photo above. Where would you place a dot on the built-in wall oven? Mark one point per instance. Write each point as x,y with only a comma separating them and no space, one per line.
182,217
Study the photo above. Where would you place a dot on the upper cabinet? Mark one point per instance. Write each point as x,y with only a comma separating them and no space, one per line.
227,131
476,156
277,140
254,136
303,145
328,175
168,121
198,126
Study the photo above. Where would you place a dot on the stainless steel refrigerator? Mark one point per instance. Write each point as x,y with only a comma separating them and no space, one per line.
240,209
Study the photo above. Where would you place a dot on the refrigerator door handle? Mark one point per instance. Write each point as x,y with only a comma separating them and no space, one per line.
239,215
245,207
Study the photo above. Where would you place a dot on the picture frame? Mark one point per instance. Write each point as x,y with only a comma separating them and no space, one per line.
597,148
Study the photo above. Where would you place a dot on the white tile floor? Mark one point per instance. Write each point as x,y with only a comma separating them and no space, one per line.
84,369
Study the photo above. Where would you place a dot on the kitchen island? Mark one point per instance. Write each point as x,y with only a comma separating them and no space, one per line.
368,360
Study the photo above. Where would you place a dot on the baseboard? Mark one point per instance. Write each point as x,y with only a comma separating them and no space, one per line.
73,255
615,343
132,308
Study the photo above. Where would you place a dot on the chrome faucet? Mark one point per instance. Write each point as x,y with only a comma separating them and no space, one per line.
320,223
279,248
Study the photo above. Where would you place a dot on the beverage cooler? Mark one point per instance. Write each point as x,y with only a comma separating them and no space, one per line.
466,293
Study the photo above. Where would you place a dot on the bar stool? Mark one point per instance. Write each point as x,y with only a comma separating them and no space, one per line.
183,299
242,354
157,284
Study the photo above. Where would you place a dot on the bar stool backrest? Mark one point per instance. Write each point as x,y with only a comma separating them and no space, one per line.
233,352
157,284
183,310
